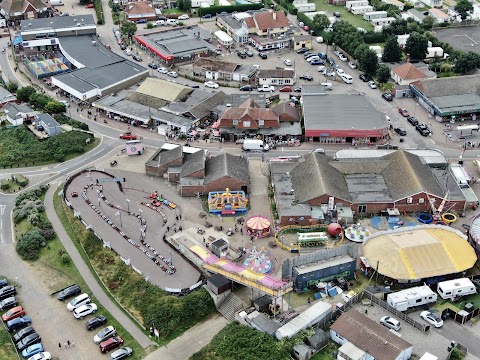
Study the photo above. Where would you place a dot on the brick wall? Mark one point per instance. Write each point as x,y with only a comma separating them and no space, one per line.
223,183
162,169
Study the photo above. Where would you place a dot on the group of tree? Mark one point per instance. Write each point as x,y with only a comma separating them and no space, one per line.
464,8
128,29
40,100
184,5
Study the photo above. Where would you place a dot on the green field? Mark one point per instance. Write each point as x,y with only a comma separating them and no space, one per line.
355,20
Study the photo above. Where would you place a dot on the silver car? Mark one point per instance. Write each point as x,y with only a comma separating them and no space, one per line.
121,353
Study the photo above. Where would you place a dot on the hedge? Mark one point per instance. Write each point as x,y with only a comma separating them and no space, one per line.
301,17
288,6
20,179
100,13
214,10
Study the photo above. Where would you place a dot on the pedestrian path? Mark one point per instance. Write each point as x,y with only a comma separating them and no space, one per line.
92,283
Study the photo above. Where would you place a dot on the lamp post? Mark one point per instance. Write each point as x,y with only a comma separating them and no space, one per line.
128,205
415,109
118,213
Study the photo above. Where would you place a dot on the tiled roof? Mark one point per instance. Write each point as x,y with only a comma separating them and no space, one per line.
439,13
286,112
250,23
369,336
140,8
276,73
13,6
226,165
270,20
408,71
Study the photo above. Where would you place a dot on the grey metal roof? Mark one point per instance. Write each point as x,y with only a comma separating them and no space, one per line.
286,205
57,22
167,156
457,85
6,95
316,177
226,165
14,109
200,103
367,188
340,112
457,103
47,120
193,163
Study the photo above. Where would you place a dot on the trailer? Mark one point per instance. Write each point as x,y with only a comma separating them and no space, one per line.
416,296
453,289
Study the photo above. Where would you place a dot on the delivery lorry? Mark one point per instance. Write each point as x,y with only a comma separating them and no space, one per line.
251,145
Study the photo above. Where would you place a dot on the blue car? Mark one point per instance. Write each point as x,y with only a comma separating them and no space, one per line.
317,62
32,350
142,21
18,323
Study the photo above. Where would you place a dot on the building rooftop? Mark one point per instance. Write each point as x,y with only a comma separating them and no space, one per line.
57,23
6,95
48,120
439,13
270,20
226,165
408,72
141,8
164,90
215,65
330,262
19,6
275,73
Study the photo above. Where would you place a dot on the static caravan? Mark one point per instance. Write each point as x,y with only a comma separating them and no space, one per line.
383,21
416,296
356,3
360,10
453,289
369,16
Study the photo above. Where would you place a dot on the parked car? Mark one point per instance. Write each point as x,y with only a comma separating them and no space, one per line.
287,62
162,70
89,6
241,54
32,350
22,333
3,283
122,46
18,323
390,323
13,313
110,344
363,77
266,88
342,57
321,68
84,298
141,21
152,65
262,55
183,17
340,72
211,84
400,131
249,53
246,88
297,89
41,356
72,290
172,74
352,65
431,318
306,77
7,291
306,54
330,61
302,50
317,62
387,96
8,303
337,14
104,334
422,129
336,53
207,16
95,322
127,136
412,120
403,112
286,89
85,310
120,353
136,57
28,340
372,85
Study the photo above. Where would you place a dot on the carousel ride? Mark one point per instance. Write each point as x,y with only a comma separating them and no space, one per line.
227,202
258,226
357,233
258,261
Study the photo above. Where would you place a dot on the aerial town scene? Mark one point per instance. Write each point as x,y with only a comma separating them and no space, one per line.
240,179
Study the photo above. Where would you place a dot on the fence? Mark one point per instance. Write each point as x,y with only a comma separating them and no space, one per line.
330,318
452,314
399,314
464,23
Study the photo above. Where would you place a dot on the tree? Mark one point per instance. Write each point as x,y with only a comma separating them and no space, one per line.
369,63
54,107
128,29
184,5
392,51
463,7
28,247
24,93
39,100
416,46
428,22
360,51
320,22
466,62
383,74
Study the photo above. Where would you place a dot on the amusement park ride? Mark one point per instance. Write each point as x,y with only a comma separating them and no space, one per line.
438,216
227,202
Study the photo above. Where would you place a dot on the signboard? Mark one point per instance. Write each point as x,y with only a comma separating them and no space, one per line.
111,180
331,203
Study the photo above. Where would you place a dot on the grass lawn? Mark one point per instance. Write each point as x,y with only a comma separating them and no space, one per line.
14,187
355,20
174,11
326,353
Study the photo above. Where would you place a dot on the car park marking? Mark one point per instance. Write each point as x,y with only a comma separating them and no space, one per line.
2,209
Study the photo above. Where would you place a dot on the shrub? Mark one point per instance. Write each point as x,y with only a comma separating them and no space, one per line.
29,244
4,185
65,258
99,12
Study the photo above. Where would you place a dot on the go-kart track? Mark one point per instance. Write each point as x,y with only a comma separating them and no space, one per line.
134,229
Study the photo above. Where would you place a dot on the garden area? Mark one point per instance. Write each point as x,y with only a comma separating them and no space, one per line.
355,20
147,303
14,184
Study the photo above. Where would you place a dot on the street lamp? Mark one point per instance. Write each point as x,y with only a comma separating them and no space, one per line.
415,109
128,205
118,213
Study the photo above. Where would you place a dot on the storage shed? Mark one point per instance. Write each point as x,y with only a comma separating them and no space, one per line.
319,340
218,284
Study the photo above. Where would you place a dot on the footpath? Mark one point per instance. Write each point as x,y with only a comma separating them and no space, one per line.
82,267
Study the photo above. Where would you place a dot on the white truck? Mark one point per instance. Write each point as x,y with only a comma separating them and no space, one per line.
453,289
416,296
266,88
258,145
56,3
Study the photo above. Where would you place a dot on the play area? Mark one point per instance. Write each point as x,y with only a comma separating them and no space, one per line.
227,203
44,67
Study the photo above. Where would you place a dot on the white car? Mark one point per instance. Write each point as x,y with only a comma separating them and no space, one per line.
321,68
85,310
78,301
390,323
211,84
287,62
352,65
172,74
41,356
343,57
266,88
340,72
163,70
183,17
372,84
337,53
104,334
431,318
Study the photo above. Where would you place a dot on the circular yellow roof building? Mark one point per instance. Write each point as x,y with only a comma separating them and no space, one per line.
419,252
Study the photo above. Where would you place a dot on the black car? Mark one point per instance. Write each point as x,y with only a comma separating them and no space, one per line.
8,303
207,16
363,77
70,291
412,120
246,88
28,340
400,131
3,283
22,333
249,53
153,65
330,61
241,54
136,57
422,129
337,14
95,322
122,46
7,291
306,77
302,50
263,55
387,96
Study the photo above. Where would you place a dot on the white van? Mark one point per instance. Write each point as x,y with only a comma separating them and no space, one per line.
159,23
78,301
347,78
128,52
327,85
319,39
254,145
172,22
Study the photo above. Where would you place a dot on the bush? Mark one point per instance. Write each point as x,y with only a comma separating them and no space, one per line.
99,12
4,185
29,244
214,10
65,259
20,180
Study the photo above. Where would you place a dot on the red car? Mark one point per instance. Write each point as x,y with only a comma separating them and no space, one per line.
110,344
286,89
13,313
128,136
403,112
74,194
90,6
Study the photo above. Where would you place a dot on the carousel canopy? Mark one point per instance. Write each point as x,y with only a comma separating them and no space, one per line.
258,223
